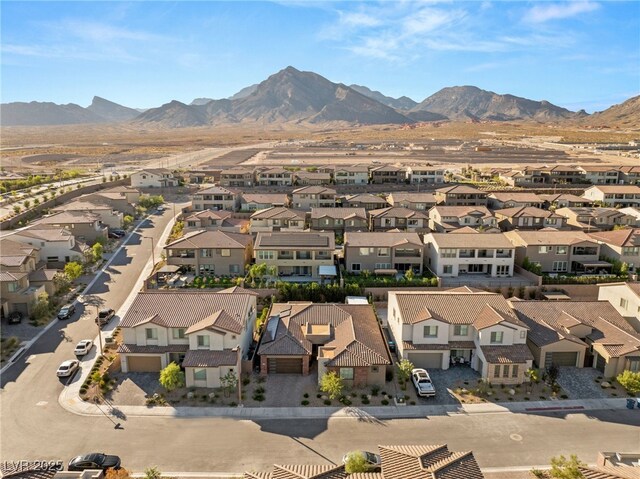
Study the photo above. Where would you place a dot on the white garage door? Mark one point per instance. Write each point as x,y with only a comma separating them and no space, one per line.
426,360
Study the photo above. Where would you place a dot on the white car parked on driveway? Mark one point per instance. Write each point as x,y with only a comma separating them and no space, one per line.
422,382
68,368
83,347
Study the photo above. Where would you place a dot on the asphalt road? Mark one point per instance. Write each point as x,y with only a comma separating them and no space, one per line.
34,426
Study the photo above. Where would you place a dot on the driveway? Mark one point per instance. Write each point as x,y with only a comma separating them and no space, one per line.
580,383
132,389
444,381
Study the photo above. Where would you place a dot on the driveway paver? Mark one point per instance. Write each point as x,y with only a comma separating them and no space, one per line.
580,383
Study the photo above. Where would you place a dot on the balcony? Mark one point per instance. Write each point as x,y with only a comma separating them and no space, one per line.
467,253
504,254
407,254
485,253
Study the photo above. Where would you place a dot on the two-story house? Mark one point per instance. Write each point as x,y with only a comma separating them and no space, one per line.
276,176
342,338
460,195
460,254
220,220
436,329
558,251
107,215
299,256
237,177
211,252
57,245
116,200
528,217
84,225
277,218
522,177
215,198
425,174
312,178
564,200
351,175
625,298
601,175
309,197
502,200
205,333
620,245
390,218
153,178
382,252
614,195
261,201
630,175
595,219
563,174
412,201
443,219
364,200
387,174
339,219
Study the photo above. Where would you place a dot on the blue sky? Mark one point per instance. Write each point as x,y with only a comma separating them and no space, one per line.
577,54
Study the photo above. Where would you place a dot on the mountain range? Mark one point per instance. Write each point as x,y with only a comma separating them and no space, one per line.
294,97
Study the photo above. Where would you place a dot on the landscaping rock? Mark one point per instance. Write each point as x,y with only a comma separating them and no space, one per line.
212,395
512,392
323,397
464,391
605,385
191,395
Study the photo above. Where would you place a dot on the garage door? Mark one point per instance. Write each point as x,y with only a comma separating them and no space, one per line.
426,360
22,308
285,365
561,359
144,364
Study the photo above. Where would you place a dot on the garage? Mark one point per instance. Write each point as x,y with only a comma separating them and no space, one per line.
285,365
21,308
561,359
426,360
144,364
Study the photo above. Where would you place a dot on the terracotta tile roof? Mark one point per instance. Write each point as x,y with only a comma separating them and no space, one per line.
354,168
615,340
201,358
343,213
210,214
211,239
263,198
405,196
184,309
617,189
279,212
565,197
535,238
382,239
257,475
219,320
11,276
526,211
314,190
302,471
610,472
517,197
365,198
14,253
135,349
461,189
216,190
462,240
83,205
238,289
51,233
43,274
460,211
626,237
427,462
410,345
489,316
397,212
513,354
310,240
313,175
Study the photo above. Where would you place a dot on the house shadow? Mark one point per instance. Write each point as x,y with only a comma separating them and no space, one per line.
295,428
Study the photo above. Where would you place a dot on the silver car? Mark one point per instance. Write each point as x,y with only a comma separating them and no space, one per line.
83,347
68,368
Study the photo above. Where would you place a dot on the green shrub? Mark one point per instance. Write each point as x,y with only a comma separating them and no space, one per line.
304,402
327,402
384,402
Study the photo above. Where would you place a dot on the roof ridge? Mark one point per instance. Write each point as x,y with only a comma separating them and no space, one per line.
447,461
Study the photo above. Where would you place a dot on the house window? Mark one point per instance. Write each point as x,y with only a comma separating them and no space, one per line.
514,371
448,253
200,374
365,251
447,269
178,333
505,371
383,251
544,249
203,341
496,337
206,253
225,252
383,265
523,334
151,333
460,330
234,268
12,287
430,331
559,266
355,267
496,371
624,303
346,373
265,255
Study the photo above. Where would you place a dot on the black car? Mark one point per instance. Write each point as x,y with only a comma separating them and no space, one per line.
118,232
94,460
15,317
104,316
66,311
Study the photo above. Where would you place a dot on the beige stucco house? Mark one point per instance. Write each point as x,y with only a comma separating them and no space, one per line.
383,252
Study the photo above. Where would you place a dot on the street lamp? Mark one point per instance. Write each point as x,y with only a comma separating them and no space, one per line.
99,328
153,254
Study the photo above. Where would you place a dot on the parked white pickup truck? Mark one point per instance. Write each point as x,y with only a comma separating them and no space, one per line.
422,382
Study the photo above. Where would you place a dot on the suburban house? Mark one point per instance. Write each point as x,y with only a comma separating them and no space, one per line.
558,251
454,255
117,201
220,220
299,256
57,245
385,174
309,197
630,175
398,218
153,178
528,217
522,177
562,174
436,329
205,333
211,253
443,219
277,218
412,201
425,174
85,226
107,215
131,194
601,175
502,200
614,195
460,195
339,219
364,200
565,200
398,462
312,178
595,219
276,176
625,297
580,334
635,212
261,201
341,338
237,177
383,253
620,245
215,198
351,175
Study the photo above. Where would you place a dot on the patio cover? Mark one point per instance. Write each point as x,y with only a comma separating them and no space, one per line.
328,271
595,264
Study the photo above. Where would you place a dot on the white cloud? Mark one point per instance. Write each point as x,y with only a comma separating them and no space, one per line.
544,12
358,19
430,19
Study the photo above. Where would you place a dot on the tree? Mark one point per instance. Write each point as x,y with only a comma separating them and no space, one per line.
404,370
40,307
73,270
630,381
229,381
534,377
61,282
172,377
551,374
126,221
409,274
331,384
97,250
356,462
624,269
563,468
